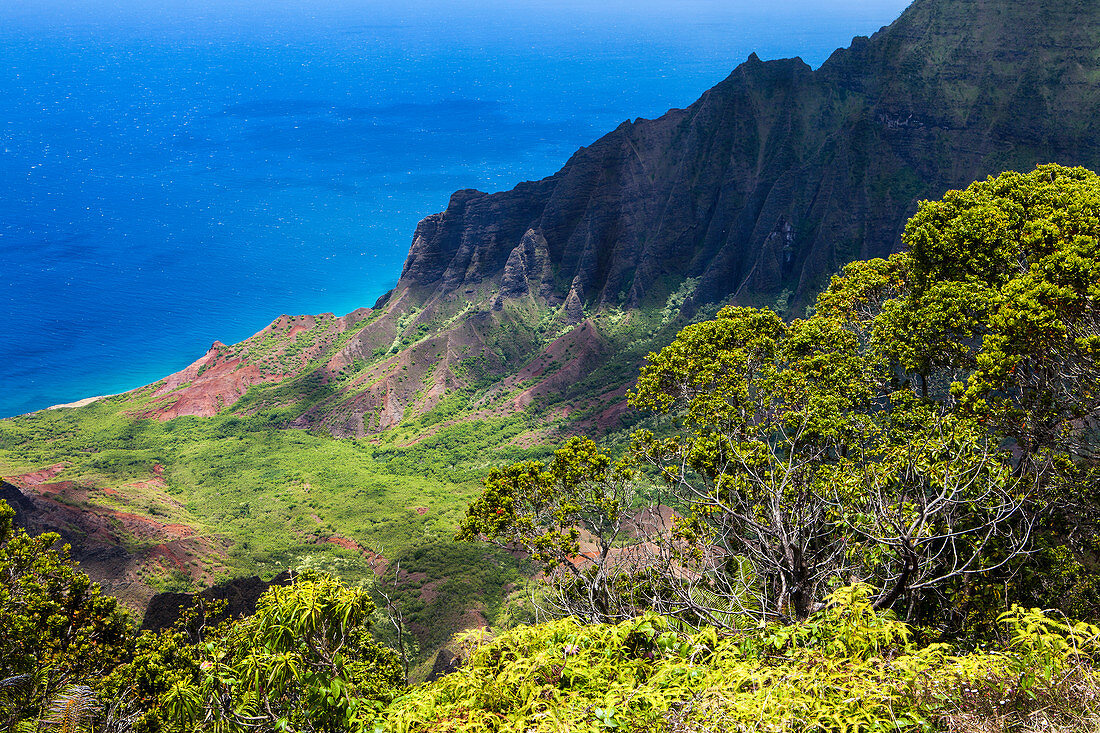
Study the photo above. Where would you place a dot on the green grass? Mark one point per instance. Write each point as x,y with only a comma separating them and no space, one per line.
274,494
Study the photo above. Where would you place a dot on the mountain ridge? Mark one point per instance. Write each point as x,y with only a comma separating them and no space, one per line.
755,194
523,315
855,86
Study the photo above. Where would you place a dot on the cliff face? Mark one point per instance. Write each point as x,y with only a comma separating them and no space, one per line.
780,174
754,194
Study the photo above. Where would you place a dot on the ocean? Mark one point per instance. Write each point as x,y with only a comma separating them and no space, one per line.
174,173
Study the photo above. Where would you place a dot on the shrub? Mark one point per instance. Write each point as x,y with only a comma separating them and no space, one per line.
847,668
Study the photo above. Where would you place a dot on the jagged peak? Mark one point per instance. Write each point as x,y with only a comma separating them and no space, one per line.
756,193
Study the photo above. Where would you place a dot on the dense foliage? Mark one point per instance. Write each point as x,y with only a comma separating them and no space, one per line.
849,668
828,528
918,433
72,661
58,635
305,661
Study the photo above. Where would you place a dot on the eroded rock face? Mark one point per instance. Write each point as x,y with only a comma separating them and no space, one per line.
780,174
528,268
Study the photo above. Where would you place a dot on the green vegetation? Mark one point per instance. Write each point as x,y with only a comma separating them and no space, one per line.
444,587
922,433
304,661
263,499
58,631
853,512
849,668
246,479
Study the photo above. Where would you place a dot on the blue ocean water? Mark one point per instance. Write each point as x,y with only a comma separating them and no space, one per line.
172,173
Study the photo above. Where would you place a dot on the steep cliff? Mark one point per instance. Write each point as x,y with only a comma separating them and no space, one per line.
780,174
754,194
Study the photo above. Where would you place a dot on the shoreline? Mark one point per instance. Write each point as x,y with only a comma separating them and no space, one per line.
80,403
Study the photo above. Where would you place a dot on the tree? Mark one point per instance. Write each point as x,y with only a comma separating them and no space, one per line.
799,468
1008,273
131,693
913,434
582,497
992,313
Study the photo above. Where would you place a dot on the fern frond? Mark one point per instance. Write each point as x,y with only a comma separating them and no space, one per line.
71,707
249,705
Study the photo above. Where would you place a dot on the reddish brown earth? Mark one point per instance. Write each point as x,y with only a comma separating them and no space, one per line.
40,476
120,549
411,381
611,416
645,523
473,619
345,543
406,577
221,383
575,353
376,562
430,590
444,348
223,374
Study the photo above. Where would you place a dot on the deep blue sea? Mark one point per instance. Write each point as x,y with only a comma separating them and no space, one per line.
177,172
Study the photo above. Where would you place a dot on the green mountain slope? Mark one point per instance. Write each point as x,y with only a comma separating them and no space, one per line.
523,315
548,295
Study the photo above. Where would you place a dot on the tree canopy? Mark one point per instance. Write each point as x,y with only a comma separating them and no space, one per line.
931,418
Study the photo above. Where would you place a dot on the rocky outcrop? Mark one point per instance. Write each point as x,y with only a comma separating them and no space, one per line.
22,506
528,268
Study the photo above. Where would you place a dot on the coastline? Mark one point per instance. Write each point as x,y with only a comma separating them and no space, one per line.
80,403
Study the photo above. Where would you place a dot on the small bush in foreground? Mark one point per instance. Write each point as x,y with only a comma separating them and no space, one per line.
304,662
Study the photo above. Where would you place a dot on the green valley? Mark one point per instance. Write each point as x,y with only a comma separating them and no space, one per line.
777,412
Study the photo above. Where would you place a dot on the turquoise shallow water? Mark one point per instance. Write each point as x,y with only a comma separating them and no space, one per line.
172,174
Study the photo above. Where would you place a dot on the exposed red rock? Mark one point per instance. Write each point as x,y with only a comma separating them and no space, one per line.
572,356
223,374
37,477
170,556
99,535
208,385
344,542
